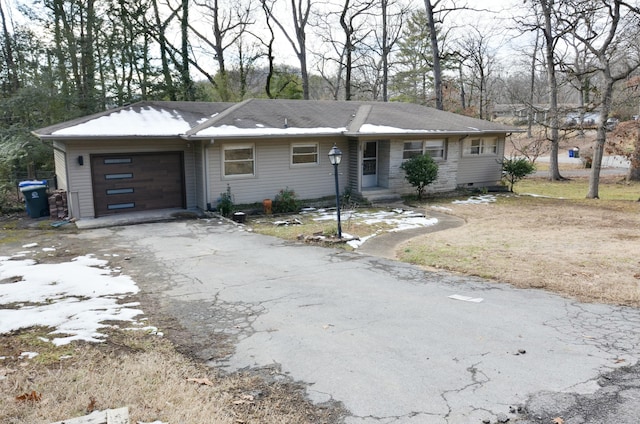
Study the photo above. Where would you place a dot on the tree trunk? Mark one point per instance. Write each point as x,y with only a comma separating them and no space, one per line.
532,84
554,171
634,166
188,90
12,71
348,49
463,94
87,63
164,60
601,137
385,53
269,45
437,72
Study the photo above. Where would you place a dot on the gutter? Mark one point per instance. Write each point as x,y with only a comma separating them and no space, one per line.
89,137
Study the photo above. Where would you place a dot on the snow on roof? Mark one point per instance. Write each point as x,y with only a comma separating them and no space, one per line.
148,121
74,298
383,129
261,130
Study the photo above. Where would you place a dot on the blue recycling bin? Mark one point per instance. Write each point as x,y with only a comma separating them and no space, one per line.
35,197
570,153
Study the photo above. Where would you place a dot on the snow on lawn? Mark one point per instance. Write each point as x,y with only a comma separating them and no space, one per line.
396,219
74,298
476,200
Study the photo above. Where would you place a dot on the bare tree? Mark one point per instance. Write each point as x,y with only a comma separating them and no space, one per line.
300,10
349,16
433,37
479,59
227,26
609,30
157,30
266,8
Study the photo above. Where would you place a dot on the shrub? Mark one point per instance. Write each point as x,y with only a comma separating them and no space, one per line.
515,169
285,201
420,171
225,203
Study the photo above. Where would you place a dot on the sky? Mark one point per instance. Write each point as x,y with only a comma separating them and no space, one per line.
76,298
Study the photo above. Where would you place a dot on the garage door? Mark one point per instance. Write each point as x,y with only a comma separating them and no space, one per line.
137,182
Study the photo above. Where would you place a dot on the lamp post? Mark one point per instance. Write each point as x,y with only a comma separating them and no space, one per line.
335,156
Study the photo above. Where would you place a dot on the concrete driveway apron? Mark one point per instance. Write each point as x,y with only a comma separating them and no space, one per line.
381,337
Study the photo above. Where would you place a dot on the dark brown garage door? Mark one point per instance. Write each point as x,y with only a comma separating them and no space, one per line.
137,182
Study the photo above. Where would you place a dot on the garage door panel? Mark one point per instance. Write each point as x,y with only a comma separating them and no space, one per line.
136,182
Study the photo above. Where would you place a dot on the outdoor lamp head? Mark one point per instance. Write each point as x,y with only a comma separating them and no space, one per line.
335,155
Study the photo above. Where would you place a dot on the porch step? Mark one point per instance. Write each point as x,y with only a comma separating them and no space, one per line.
377,195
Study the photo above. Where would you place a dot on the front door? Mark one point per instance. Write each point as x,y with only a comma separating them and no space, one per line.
370,164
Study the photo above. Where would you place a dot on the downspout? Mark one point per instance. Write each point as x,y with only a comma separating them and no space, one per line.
205,171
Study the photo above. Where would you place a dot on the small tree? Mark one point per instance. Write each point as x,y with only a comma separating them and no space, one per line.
420,171
515,169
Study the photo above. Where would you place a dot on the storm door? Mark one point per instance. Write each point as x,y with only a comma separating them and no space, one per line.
369,164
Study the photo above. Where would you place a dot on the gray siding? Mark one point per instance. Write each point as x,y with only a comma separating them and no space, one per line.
79,177
274,172
480,170
199,170
354,166
447,169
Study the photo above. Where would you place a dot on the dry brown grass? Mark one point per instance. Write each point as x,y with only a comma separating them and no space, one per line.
146,374
582,248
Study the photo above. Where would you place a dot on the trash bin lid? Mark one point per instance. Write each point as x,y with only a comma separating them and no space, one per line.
32,185
33,188
32,182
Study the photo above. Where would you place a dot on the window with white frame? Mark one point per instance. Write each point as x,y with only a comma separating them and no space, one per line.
435,149
304,154
482,146
238,160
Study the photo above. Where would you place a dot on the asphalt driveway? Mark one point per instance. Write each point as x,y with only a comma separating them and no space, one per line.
383,339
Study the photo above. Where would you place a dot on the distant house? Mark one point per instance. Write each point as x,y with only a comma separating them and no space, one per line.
157,155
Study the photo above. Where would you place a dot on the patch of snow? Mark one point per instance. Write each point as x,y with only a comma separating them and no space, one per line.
441,208
397,219
29,246
74,298
146,121
383,129
357,243
231,130
48,249
29,355
476,200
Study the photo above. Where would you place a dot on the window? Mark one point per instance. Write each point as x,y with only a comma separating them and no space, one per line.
238,160
482,146
476,147
435,149
302,154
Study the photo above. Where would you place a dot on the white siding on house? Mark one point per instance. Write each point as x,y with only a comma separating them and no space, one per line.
274,171
60,161
447,168
79,177
480,170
